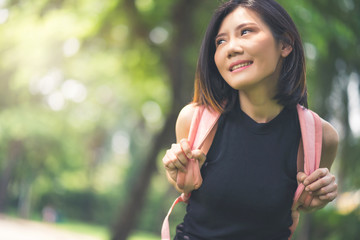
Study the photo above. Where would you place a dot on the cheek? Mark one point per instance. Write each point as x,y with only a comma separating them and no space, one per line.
216,59
268,55
219,62
260,50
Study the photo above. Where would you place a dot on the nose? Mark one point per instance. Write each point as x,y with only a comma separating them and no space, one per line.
234,48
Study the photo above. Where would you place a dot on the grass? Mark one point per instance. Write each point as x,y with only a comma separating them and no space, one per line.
98,231
102,232
144,236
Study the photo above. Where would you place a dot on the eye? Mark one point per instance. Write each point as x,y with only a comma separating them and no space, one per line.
245,31
219,41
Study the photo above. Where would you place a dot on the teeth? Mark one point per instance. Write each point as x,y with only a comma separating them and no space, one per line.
240,66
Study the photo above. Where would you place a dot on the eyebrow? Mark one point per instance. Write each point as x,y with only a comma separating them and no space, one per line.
237,28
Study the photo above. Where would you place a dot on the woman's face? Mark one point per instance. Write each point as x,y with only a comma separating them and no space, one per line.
247,54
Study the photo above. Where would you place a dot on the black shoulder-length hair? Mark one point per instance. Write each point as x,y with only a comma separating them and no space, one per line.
212,90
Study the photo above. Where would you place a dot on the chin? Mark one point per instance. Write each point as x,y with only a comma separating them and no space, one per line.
242,85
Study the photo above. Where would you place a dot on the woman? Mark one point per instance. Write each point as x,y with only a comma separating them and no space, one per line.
251,59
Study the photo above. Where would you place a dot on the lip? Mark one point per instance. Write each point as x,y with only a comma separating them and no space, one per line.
240,62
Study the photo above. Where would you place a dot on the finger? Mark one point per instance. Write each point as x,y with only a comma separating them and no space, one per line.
179,154
306,205
173,162
320,183
318,173
306,209
178,164
167,160
199,155
302,198
169,165
325,190
185,146
308,200
328,197
312,204
301,177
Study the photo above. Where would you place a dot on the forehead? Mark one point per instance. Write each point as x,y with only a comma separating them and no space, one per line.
241,15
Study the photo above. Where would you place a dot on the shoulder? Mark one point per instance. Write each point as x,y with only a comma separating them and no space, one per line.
329,145
183,121
330,135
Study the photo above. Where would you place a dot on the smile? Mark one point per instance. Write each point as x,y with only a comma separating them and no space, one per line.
241,65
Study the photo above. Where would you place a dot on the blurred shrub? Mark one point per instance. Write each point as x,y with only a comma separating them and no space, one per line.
330,225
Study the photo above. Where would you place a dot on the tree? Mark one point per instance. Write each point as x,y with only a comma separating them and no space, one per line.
177,67
92,89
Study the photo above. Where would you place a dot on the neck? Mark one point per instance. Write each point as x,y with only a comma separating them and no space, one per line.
259,105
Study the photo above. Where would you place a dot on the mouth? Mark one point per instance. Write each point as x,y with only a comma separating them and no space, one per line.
240,65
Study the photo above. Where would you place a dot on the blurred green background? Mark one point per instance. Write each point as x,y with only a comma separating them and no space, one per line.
89,94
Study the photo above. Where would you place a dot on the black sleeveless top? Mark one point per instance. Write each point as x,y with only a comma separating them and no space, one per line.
249,180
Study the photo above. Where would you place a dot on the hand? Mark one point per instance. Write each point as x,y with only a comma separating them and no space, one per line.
177,157
320,185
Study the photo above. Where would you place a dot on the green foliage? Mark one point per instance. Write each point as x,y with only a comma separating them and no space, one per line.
97,231
333,226
85,86
144,236
67,135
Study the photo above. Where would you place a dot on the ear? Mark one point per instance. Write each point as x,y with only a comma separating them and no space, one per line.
286,49
286,45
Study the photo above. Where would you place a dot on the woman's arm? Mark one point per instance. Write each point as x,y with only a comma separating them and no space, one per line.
321,183
329,145
177,156
183,122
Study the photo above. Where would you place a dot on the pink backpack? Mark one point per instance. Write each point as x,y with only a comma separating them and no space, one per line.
204,120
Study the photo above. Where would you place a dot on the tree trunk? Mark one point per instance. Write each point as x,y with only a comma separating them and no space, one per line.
305,230
174,61
179,75
128,216
24,206
14,153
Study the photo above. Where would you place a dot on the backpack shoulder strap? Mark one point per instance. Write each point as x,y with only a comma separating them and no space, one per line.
202,123
311,140
309,153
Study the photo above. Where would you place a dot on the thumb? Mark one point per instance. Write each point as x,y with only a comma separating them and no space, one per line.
301,177
199,155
